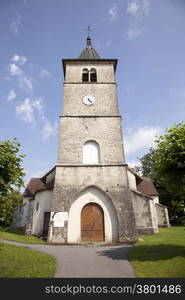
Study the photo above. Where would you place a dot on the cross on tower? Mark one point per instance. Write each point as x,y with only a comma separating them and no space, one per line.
89,30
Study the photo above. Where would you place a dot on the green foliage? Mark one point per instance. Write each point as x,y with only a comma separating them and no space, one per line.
10,201
11,178
166,166
170,159
147,167
11,172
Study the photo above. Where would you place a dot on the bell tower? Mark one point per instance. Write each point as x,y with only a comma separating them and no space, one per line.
91,180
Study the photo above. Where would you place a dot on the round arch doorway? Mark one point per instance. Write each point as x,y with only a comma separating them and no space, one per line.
92,223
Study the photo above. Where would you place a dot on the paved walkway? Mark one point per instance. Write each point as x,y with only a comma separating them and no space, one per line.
81,261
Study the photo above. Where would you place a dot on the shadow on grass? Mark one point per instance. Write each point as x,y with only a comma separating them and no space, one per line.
145,253
15,231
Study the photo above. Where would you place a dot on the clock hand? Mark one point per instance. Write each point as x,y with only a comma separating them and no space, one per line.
89,100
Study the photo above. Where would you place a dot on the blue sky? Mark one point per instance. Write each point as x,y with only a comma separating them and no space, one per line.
146,36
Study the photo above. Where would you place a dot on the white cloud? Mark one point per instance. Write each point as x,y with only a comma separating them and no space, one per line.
19,59
27,109
44,73
138,8
146,6
113,13
133,8
27,112
49,130
38,105
142,138
15,70
24,82
15,58
11,95
134,163
14,26
134,32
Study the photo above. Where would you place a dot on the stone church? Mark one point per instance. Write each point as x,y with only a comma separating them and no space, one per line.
90,195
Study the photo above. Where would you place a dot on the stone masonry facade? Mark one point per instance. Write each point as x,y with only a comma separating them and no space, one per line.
70,181
100,122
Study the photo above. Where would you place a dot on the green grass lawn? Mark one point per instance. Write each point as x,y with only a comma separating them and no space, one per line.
160,255
16,262
19,236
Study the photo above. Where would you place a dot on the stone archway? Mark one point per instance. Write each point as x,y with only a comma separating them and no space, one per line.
92,195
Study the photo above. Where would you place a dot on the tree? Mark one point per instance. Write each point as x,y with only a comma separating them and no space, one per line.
11,177
7,206
147,164
166,166
170,159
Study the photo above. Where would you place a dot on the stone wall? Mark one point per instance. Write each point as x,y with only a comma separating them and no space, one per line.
104,70
162,215
29,220
112,180
44,199
105,99
132,181
76,131
144,213
20,216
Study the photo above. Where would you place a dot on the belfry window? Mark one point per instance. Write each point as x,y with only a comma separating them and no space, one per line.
85,75
91,153
89,76
93,76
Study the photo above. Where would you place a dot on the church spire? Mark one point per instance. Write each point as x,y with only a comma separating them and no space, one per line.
89,52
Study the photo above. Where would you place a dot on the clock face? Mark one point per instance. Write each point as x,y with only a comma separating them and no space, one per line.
88,100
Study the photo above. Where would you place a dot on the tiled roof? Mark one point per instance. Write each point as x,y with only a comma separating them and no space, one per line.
89,52
147,187
34,185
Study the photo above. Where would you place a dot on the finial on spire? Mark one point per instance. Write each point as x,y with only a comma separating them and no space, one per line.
88,37
89,30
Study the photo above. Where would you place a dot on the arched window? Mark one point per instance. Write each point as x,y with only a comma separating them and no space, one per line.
85,75
93,76
91,153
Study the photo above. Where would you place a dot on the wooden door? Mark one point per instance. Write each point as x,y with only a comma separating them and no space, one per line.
46,225
92,223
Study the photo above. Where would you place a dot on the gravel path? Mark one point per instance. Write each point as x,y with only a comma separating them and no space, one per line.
81,261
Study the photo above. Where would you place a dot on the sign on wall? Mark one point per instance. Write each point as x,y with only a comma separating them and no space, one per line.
59,218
